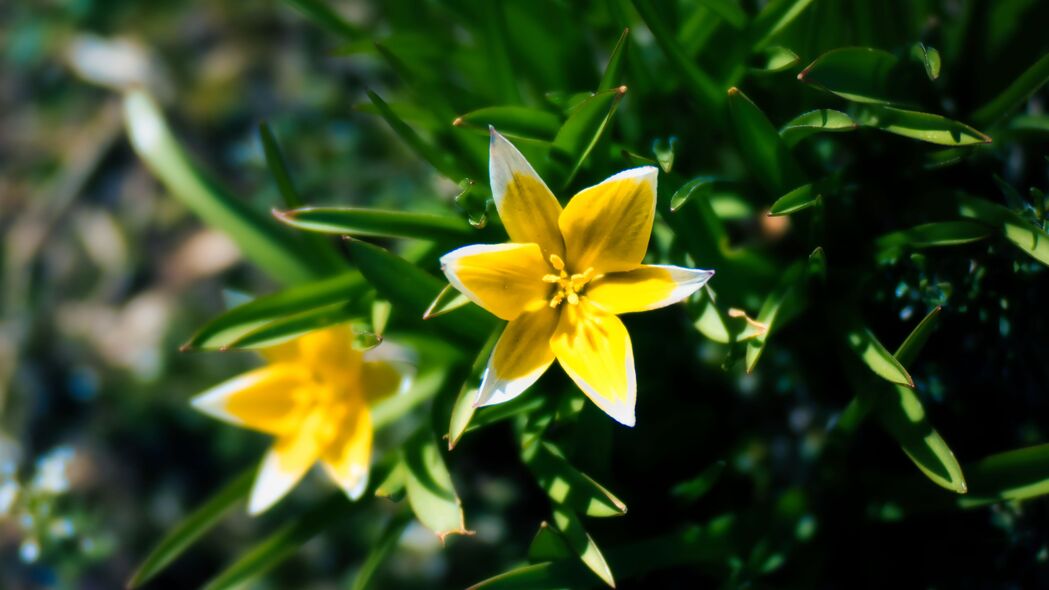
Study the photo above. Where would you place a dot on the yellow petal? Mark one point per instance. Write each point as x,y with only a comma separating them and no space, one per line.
379,380
520,357
285,352
647,287
505,279
271,399
527,207
607,226
331,350
346,460
594,348
285,464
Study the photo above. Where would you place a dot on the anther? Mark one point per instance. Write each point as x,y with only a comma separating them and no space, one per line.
556,262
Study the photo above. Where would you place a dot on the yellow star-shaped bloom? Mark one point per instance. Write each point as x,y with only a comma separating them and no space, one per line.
314,396
563,279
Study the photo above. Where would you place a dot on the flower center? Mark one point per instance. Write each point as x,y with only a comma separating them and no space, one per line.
568,287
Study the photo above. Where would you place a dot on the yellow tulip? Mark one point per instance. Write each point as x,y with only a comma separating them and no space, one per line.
314,396
564,278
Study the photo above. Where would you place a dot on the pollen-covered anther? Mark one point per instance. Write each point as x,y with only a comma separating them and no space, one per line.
568,286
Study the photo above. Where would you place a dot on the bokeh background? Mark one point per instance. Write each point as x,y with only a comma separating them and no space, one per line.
105,276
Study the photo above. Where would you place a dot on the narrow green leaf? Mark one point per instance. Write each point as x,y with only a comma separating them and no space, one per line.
413,289
614,69
776,16
260,239
449,299
377,223
582,543
859,74
1022,233
930,235
1016,94
799,199
773,60
915,341
227,328
566,485
729,11
763,150
712,322
392,486
813,122
192,527
322,14
921,126
513,120
381,550
279,546
779,307
464,407
701,185
497,57
928,57
523,404
1019,474
286,328
877,359
429,487
703,88
584,127
693,489
438,159
278,167
548,545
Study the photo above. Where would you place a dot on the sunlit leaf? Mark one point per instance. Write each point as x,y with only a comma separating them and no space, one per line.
799,199
928,57
584,127
429,487
921,126
859,74
879,360
449,299
288,327
548,545
931,235
813,122
513,120
378,223
1023,234
1015,94
773,60
566,485
1013,475
766,155
438,159
614,68
781,305
582,543
701,185
464,407
773,18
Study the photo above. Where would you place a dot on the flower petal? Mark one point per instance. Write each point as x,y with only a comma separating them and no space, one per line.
648,287
520,357
331,349
284,465
271,399
594,348
505,279
607,226
347,459
527,207
380,380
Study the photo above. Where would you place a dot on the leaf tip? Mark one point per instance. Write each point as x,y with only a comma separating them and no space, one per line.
622,90
457,122
733,91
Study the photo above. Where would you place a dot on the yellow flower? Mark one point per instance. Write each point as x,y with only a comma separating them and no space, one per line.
564,278
314,396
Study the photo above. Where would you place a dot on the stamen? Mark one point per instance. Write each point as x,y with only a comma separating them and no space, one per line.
569,287
556,262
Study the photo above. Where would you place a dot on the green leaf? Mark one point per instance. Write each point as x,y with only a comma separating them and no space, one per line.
438,159
799,199
693,489
1016,94
776,16
497,54
377,223
192,527
429,487
449,299
702,87
930,235
664,152
773,60
279,546
259,238
921,126
614,69
582,543
322,14
278,167
877,359
286,328
1022,233
513,120
584,127
859,74
711,321
813,122
728,10
464,407
548,545
779,307
229,327
928,57
566,485
766,155
381,550
915,341
412,290
392,486
1013,475
701,185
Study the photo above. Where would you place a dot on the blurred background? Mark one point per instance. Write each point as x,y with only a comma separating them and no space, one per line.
105,276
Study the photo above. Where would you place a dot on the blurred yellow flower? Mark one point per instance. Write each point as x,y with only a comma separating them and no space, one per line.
564,278
314,396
